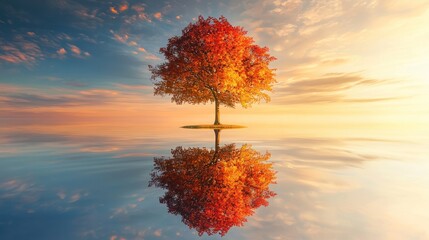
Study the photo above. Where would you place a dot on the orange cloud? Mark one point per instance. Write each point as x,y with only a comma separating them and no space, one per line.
158,15
20,52
61,51
139,9
11,58
122,39
123,7
113,10
75,49
141,49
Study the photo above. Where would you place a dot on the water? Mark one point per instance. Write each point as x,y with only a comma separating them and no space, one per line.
92,182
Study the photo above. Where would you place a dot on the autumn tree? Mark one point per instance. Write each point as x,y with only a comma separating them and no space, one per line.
213,61
214,190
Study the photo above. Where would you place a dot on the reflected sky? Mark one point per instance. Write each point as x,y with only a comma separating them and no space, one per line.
93,184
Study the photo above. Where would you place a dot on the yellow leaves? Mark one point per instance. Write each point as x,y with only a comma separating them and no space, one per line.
214,53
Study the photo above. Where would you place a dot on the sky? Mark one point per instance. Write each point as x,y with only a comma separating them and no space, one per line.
364,63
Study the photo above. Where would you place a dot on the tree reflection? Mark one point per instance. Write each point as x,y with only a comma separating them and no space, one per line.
214,190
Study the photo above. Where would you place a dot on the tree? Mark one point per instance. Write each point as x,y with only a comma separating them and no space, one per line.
214,190
213,61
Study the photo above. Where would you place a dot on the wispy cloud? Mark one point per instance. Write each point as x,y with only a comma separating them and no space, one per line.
134,87
22,51
77,52
140,14
120,38
311,38
30,49
75,49
34,100
329,83
329,88
85,17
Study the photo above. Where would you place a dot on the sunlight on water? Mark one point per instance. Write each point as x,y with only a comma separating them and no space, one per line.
87,182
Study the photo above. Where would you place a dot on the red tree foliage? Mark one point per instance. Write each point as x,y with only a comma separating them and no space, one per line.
213,61
214,190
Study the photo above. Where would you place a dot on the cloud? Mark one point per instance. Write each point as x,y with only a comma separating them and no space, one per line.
123,7
113,10
75,197
152,57
134,87
158,15
21,51
157,233
139,9
61,51
75,49
321,35
136,155
77,52
22,193
329,88
61,195
82,98
329,83
132,43
98,149
119,38
115,237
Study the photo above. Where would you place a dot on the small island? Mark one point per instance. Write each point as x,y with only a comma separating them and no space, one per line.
213,126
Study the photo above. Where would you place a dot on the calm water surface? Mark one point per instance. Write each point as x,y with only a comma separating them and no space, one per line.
88,182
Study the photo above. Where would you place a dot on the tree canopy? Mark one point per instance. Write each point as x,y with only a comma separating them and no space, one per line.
213,61
214,190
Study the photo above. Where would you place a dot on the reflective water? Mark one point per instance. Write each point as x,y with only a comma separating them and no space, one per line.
92,182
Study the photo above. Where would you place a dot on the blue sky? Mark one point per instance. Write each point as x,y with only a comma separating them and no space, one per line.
83,44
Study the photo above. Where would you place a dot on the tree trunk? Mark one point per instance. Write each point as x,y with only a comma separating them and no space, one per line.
217,114
216,100
216,152
217,139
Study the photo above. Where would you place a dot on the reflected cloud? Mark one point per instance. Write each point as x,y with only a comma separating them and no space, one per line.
214,190
323,153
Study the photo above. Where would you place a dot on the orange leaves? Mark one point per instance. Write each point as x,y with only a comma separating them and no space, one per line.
214,190
213,54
